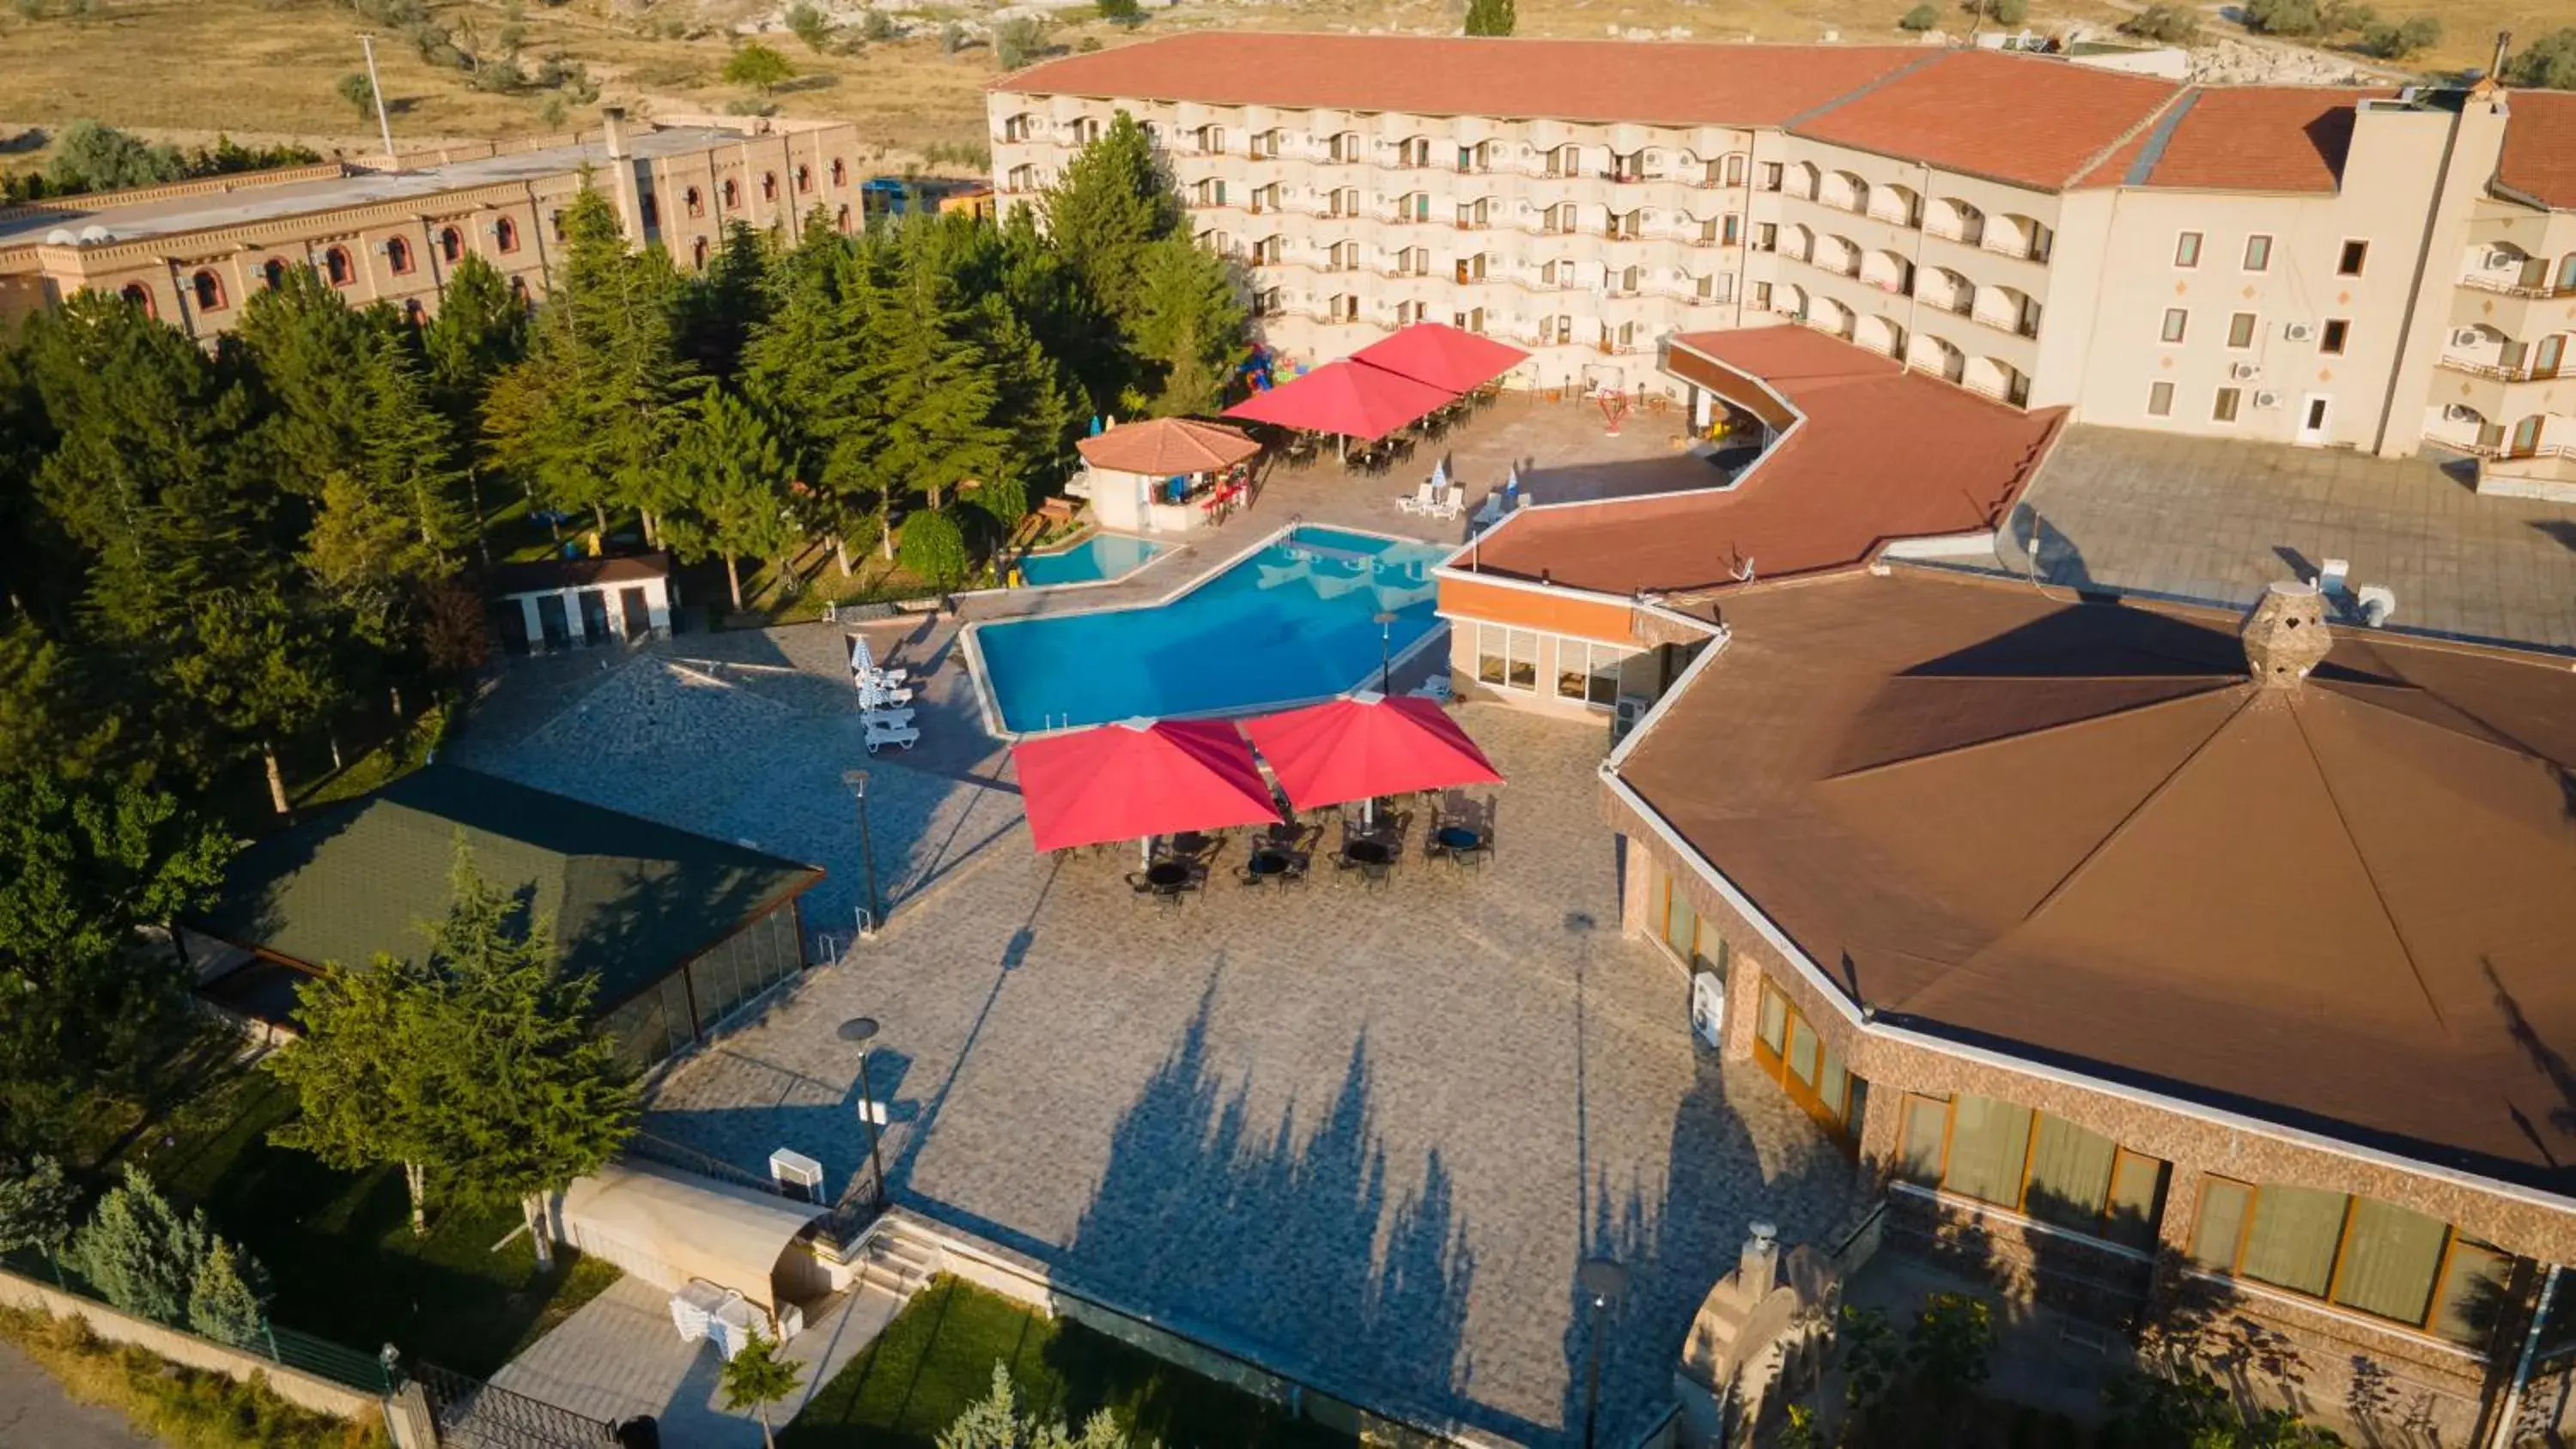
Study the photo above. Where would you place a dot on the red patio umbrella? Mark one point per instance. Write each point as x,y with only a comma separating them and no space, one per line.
1139,779
1443,356
1365,746
1345,397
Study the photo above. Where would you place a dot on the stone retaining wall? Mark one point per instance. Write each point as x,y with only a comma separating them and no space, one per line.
297,1387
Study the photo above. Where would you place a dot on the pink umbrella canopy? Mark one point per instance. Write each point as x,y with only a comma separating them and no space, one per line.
1365,746
1346,397
1139,778
1443,356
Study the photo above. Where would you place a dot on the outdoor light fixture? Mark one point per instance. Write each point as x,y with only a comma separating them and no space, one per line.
869,915
1385,636
1602,1283
859,1031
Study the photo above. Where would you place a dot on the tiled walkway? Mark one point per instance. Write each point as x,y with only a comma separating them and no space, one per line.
619,1356
1366,1135
2217,520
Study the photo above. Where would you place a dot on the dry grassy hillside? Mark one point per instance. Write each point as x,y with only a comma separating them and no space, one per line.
268,69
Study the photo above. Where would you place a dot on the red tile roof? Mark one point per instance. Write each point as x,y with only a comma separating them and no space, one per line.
1168,445
2540,147
2012,118
2241,138
1575,80
1883,454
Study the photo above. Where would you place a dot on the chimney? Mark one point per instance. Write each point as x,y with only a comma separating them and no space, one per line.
1758,1269
2495,67
2285,635
612,121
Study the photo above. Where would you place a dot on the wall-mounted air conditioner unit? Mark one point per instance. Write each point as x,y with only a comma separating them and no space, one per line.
2267,399
2460,413
2300,331
2243,371
2466,337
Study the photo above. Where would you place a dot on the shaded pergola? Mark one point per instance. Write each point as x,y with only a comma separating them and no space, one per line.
1139,779
1442,356
1346,398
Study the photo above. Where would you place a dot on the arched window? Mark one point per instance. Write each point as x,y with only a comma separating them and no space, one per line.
731,196
804,179
274,270
141,296
506,233
698,254
451,245
769,186
696,203
210,291
840,173
398,256
336,266
842,219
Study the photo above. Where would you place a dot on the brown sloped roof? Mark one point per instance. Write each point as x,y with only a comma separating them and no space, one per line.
2014,118
2539,157
2241,138
1884,454
1167,445
1662,83
575,573
2079,833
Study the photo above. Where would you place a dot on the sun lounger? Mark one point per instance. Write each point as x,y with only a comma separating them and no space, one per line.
890,719
1436,687
873,696
903,739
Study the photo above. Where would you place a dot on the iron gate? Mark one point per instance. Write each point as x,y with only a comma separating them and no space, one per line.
472,1414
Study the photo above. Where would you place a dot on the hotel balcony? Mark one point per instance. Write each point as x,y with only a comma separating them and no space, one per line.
2506,393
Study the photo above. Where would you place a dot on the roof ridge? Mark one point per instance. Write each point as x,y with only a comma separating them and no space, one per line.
2361,858
1822,108
2167,119
2214,684
2153,118
2066,881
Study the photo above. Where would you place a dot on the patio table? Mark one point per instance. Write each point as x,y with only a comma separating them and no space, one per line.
1373,859
1462,846
1269,867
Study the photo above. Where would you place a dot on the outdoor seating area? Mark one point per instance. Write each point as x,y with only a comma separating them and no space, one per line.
1387,399
1165,475
1181,788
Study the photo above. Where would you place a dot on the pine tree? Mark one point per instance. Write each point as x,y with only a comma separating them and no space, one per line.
932,397
802,366
305,346
755,1378
259,670
733,481
719,310
996,1421
1190,327
365,1076
480,330
141,1253
228,1297
36,1206
532,1096
1113,201
586,417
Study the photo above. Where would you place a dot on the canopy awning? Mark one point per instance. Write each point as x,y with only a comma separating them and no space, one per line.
667,1230
1442,356
1346,397
1163,446
1137,779
1365,746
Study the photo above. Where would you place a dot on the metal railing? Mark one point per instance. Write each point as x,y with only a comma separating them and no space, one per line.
473,1414
2542,291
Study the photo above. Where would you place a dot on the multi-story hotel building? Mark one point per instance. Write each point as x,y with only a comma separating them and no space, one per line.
192,253
2325,266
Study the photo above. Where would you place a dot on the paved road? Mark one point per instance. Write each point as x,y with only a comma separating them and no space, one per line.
34,1410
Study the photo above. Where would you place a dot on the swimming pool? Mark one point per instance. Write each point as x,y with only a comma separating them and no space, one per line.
1100,557
1291,621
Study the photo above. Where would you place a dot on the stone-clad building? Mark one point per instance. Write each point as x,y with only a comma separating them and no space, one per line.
193,252
2336,267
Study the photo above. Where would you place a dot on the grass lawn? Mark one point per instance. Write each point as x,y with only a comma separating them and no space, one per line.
339,1245
937,1357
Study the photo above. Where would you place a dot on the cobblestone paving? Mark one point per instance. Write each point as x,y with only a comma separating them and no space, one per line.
2216,520
1365,1136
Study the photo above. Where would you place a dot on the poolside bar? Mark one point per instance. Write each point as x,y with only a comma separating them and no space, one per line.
1165,475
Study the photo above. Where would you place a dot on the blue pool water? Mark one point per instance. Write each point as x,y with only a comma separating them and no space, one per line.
1101,556
1293,621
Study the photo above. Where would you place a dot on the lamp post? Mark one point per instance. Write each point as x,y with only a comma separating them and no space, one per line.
1601,1282
859,1031
857,780
1385,643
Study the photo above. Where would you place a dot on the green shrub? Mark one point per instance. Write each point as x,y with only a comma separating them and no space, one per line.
2164,24
1122,12
1919,19
2548,63
1018,41
184,1407
932,548
2402,39
876,25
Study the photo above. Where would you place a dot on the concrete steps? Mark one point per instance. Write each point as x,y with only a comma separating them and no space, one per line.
891,1260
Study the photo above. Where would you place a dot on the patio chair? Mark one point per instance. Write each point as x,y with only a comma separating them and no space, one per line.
1490,512
1449,503
902,738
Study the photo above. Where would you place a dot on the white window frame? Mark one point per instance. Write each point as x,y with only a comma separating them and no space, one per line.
1498,641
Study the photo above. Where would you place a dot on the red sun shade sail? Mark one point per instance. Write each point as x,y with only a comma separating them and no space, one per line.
1128,781
1365,746
1346,397
1443,356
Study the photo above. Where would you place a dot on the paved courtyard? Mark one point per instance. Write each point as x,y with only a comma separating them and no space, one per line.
2215,520
1363,1136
